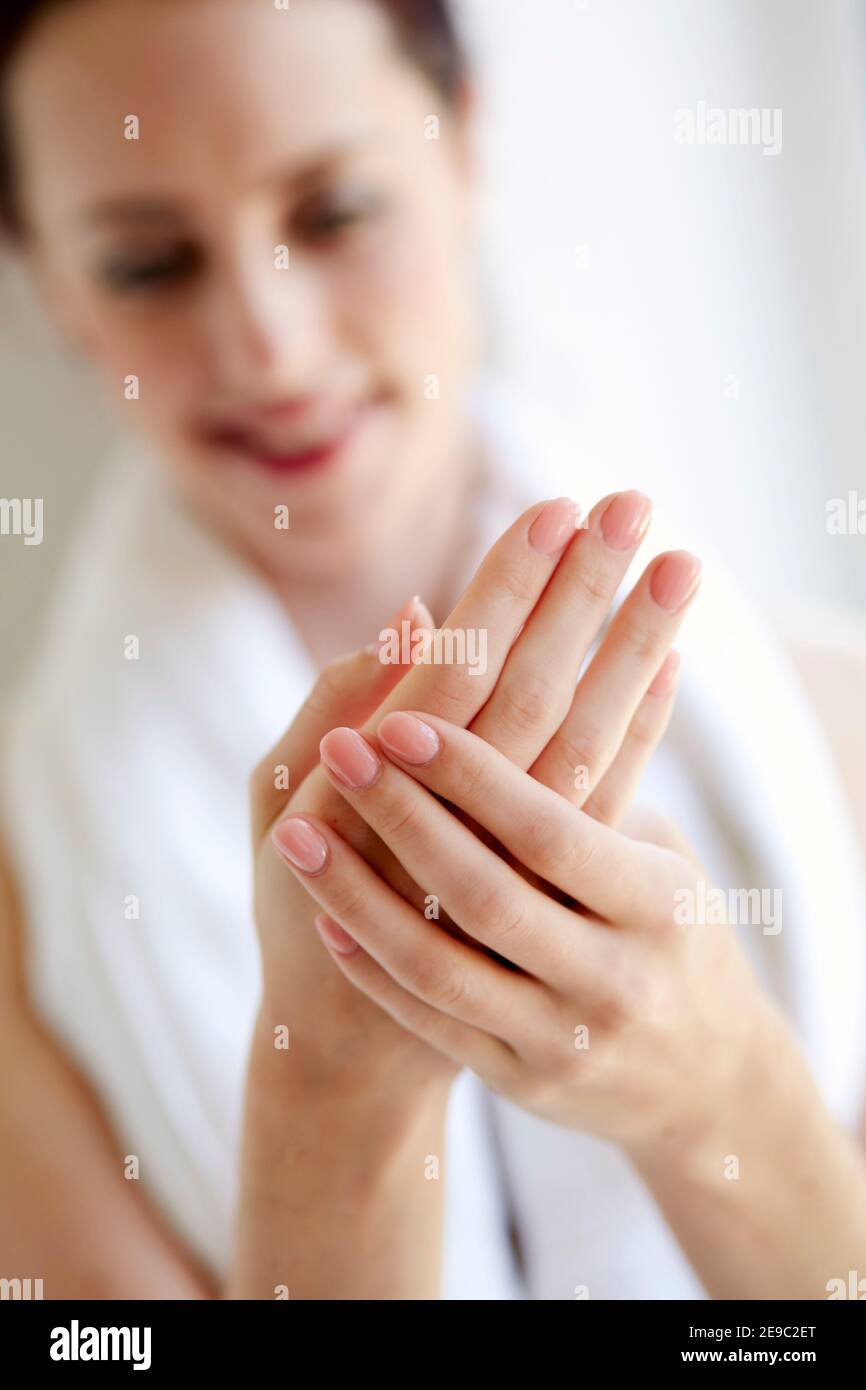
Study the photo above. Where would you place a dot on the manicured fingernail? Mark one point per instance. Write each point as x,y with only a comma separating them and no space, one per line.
414,611
625,520
554,526
334,936
301,844
408,738
350,758
666,676
675,579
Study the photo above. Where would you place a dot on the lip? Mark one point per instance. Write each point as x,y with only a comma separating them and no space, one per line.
240,441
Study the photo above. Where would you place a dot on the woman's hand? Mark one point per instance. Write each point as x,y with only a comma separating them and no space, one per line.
541,595
618,1019
301,992
626,1018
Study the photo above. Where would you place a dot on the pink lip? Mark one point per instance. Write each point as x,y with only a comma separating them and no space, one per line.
240,444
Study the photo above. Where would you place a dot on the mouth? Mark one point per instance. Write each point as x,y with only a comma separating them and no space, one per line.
283,449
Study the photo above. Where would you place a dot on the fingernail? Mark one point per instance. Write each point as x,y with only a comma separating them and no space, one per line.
334,936
675,579
666,676
301,844
554,526
350,758
414,611
409,738
625,520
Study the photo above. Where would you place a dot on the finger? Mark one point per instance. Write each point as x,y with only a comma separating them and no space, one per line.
613,795
487,1056
486,897
536,688
639,637
650,824
347,691
492,611
616,878
486,621
445,973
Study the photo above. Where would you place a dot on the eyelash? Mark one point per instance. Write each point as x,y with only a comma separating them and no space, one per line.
161,274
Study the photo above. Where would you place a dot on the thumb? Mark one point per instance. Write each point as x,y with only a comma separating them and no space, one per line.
346,692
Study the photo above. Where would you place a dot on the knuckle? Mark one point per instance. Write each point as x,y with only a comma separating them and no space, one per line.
448,696
527,702
473,784
622,1003
593,586
443,986
645,729
575,748
400,819
560,847
495,911
345,899
517,581
645,644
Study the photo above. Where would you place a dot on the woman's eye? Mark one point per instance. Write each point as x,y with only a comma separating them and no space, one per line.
148,274
327,216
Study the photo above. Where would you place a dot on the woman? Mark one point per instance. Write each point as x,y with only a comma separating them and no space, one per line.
235,213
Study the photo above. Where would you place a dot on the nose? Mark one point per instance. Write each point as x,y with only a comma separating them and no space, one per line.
266,325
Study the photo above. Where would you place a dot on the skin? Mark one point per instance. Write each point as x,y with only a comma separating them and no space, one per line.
157,257
657,999
226,94
558,598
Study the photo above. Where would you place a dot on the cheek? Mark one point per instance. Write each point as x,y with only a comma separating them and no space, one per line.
408,298
164,353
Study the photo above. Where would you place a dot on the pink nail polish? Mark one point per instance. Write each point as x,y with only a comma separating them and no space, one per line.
350,758
408,738
334,936
415,612
675,579
301,844
625,520
554,526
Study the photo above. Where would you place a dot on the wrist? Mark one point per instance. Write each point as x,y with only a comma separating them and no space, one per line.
755,1107
345,1090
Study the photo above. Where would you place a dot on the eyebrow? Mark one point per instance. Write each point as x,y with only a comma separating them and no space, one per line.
141,208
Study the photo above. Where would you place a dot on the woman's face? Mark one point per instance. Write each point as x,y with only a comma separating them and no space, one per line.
278,259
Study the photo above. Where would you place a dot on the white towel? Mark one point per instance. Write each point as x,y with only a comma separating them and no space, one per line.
123,791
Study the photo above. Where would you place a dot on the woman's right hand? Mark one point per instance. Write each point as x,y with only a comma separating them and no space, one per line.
541,595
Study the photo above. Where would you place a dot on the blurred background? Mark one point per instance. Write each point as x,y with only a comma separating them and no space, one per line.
695,313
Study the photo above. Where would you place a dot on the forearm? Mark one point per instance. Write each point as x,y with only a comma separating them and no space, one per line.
78,1225
336,1198
771,1201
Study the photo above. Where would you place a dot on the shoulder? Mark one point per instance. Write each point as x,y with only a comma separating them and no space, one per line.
828,649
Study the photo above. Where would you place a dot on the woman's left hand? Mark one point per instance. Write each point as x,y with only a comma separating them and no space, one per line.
617,1016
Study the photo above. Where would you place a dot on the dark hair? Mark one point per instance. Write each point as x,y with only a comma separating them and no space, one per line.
424,30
